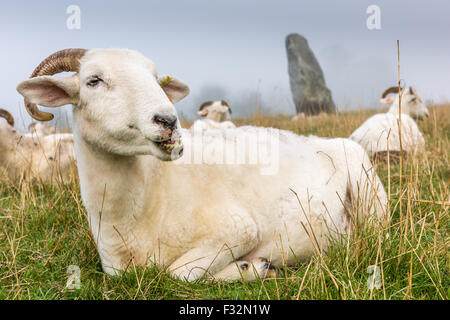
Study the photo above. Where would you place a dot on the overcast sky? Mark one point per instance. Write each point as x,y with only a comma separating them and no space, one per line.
239,46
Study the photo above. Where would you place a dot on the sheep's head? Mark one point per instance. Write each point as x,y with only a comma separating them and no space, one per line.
215,110
120,105
412,104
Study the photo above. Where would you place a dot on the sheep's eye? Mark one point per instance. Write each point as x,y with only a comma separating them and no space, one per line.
93,82
413,100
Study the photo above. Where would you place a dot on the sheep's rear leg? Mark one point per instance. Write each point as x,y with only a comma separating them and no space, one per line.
258,268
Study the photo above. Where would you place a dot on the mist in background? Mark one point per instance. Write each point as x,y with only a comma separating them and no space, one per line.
235,50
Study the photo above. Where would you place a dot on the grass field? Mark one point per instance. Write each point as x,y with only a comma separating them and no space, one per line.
44,230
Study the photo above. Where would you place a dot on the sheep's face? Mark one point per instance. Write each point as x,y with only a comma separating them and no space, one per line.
415,105
120,105
215,110
412,104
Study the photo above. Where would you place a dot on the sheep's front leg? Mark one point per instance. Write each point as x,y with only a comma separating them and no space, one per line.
235,236
220,265
198,262
258,268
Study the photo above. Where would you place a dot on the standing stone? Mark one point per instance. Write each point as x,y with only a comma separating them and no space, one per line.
311,95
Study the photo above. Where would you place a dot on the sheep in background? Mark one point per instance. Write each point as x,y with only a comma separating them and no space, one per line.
50,158
412,104
216,116
215,110
146,205
40,129
373,134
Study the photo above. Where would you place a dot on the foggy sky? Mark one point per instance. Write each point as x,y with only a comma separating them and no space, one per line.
237,48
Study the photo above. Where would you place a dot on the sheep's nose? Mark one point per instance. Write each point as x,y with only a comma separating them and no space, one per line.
166,121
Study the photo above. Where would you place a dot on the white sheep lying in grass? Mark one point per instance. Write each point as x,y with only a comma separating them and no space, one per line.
49,159
201,220
374,132
216,116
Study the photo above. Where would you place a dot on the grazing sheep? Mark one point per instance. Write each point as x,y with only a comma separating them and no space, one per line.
49,159
216,116
147,203
373,134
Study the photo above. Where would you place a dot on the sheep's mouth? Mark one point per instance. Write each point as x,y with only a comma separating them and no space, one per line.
170,146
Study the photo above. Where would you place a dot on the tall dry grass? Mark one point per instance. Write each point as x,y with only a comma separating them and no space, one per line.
44,229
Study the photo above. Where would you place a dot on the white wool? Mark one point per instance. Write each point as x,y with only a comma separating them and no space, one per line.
373,134
196,219
208,124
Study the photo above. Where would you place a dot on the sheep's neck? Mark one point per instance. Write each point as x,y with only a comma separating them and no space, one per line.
111,181
394,107
218,117
115,190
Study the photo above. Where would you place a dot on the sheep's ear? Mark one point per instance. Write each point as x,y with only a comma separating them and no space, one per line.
50,91
174,88
203,112
387,100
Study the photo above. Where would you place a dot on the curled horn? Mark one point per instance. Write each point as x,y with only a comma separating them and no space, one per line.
205,104
66,60
227,105
390,90
8,116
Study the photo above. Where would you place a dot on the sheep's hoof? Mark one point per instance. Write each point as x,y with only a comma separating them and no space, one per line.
263,268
